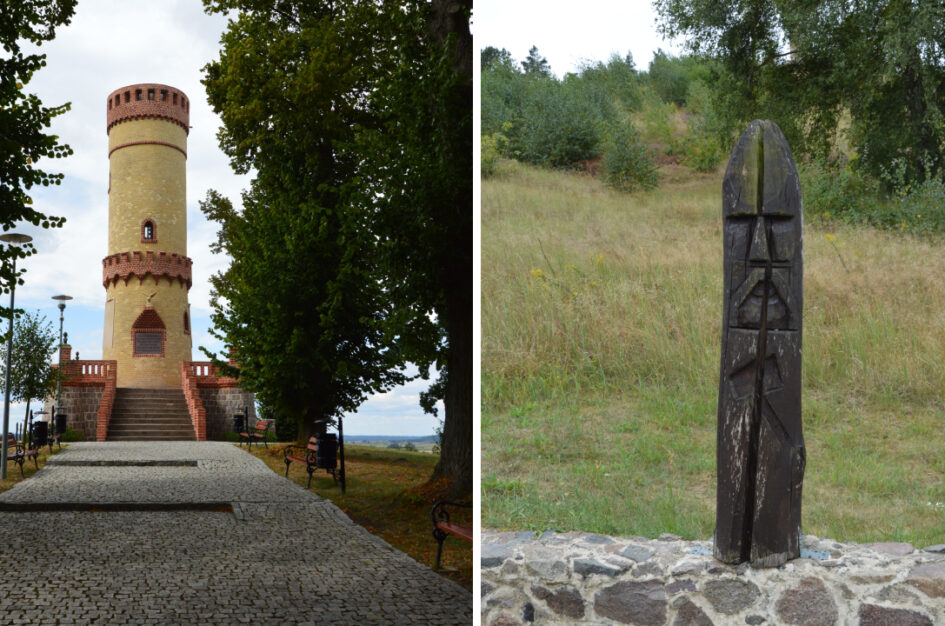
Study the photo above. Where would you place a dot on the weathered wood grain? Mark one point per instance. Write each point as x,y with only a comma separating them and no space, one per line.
760,453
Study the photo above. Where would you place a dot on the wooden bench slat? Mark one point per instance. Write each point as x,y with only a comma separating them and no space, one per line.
465,532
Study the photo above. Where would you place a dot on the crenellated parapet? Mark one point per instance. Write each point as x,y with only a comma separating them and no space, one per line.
148,100
124,265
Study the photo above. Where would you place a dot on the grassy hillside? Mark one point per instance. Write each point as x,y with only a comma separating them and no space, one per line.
601,326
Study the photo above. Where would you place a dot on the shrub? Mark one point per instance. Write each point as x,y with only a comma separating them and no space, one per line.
72,435
627,164
560,125
492,149
843,193
231,436
702,146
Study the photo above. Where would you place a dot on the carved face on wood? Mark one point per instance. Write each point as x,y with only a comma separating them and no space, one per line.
760,445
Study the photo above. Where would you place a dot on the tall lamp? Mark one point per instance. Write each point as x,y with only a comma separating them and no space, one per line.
62,309
17,240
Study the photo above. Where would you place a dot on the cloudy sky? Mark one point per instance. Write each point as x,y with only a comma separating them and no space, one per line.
110,44
568,33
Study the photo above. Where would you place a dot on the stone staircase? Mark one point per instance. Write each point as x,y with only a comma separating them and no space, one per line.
150,415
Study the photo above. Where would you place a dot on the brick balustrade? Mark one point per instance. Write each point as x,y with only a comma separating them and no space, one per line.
93,374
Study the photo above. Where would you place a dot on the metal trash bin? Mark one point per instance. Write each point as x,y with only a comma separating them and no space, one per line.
326,456
40,434
60,423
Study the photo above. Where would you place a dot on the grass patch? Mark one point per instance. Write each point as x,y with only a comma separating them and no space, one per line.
601,339
384,494
29,468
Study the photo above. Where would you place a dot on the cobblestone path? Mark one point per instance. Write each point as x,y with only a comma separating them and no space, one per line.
198,533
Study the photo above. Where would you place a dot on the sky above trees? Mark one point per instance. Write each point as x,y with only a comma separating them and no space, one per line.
568,33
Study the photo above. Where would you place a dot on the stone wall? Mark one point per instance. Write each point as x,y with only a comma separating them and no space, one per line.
81,407
221,405
579,578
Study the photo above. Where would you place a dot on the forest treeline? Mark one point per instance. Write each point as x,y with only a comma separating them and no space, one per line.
858,93
608,116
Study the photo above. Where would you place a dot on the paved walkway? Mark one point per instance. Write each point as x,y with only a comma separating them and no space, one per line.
198,533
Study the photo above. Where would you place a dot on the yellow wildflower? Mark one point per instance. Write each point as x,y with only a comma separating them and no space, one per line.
830,238
538,274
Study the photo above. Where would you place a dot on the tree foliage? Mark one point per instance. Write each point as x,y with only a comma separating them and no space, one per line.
23,119
353,252
569,122
535,64
803,64
32,376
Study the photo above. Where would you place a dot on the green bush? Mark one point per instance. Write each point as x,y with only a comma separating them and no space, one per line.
843,193
72,435
702,146
492,149
560,124
627,164
671,77
231,436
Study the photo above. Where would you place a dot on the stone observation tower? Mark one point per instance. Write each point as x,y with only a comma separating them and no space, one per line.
147,273
146,387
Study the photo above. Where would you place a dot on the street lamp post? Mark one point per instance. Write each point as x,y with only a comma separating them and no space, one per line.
62,309
12,239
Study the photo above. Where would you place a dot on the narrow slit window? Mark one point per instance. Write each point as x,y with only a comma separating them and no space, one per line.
151,93
137,94
148,232
163,95
186,323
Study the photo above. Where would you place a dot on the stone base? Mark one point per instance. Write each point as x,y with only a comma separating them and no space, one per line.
80,404
221,404
578,578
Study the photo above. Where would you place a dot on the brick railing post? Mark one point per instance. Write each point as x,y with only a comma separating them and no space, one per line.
108,399
198,415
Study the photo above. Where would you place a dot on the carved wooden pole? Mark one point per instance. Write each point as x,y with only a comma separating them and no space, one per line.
760,453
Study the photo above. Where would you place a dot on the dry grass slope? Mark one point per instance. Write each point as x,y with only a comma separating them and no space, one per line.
601,317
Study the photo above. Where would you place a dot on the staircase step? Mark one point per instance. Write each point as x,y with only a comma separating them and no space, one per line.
150,415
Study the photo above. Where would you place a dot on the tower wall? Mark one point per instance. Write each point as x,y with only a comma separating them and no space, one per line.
147,236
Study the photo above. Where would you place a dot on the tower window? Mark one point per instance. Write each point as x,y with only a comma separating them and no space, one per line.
151,93
148,232
137,94
186,323
175,97
128,96
163,95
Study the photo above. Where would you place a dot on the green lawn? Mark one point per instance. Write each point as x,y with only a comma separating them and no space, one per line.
601,334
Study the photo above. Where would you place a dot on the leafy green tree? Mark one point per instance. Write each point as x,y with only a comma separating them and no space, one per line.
618,78
357,121
491,58
32,376
672,76
299,304
803,64
535,64
23,119
419,158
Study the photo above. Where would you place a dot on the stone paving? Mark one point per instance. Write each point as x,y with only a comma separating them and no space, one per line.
239,545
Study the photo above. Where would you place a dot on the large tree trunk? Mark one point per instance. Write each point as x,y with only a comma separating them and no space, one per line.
451,17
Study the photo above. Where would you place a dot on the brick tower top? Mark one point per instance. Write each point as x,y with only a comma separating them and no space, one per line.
149,100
